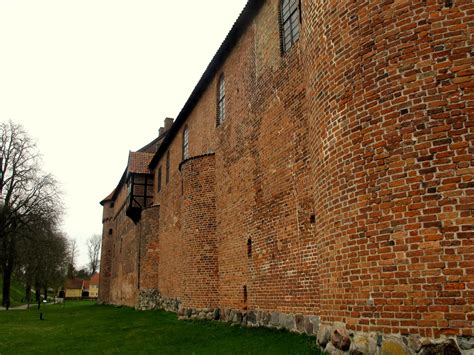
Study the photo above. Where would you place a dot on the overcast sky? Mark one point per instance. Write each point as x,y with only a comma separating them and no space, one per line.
92,79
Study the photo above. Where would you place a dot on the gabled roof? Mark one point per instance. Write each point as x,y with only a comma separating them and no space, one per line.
109,197
138,162
246,16
85,284
152,147
74,283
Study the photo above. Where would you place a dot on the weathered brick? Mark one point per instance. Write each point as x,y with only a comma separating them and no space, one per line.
342,165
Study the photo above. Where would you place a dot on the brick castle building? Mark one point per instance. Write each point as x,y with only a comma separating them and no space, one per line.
320,175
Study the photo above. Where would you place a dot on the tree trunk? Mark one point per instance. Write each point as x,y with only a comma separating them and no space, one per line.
7,278
38,296
9,248
28,294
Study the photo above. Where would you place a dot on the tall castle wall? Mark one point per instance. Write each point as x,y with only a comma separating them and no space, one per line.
106,253
392,154
124,266
149,258
200,269
340,188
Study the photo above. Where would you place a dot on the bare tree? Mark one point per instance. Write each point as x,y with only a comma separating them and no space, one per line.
27,196
73,252
93,248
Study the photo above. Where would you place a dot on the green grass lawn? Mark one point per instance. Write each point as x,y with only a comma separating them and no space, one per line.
83,327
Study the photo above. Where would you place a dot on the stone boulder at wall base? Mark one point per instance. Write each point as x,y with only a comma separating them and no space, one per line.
340,339
324,335
331,349
337,336
216,314
393,347
360,345
466,343
447,347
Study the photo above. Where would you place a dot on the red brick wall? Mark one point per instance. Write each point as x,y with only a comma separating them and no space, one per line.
348,162
199,240
391,136
170,244
124,280
106,253
262,177
149,248
130,255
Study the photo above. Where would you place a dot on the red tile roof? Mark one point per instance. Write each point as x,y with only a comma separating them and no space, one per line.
138,162
109,197
95,279
240,26
73,283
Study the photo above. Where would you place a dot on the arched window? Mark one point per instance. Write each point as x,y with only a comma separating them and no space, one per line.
290,23
221,100
249,248
186,143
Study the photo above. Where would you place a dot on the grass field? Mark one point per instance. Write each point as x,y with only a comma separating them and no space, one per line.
83,327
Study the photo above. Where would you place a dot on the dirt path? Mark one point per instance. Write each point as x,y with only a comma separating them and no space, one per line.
24,306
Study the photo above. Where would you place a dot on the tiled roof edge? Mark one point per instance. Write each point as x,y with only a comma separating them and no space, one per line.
246,16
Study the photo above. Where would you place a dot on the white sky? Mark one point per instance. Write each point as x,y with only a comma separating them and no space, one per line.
92,79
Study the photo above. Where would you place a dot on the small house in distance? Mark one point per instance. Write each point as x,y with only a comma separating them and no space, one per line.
77,288
85,289
94,286
73,288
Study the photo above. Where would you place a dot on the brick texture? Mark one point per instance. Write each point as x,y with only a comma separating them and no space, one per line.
391,146
340,183
199,239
